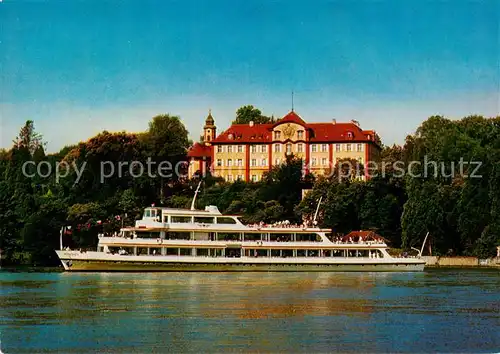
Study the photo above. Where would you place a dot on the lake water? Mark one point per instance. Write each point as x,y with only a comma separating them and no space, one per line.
433,311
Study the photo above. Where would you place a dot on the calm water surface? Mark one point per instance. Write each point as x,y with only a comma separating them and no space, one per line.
433,311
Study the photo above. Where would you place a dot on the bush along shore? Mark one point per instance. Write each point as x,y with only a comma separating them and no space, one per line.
444,180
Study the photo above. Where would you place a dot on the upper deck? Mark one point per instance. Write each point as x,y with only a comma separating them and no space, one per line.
210,219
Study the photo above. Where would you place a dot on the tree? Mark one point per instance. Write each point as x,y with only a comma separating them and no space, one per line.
29,138
249,113
166,144
284,183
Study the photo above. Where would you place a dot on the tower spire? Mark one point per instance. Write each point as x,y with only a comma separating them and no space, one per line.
292,100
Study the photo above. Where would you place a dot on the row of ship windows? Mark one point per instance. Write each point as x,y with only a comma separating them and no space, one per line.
289,148
220,252
230,236
263,162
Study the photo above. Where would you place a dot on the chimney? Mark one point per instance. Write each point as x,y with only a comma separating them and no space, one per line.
251,123
334,121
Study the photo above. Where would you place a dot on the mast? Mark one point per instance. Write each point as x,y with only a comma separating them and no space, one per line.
317,210
60,238
423,244
195,194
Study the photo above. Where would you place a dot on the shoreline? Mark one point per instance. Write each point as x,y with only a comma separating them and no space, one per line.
31,269
477,267
461,261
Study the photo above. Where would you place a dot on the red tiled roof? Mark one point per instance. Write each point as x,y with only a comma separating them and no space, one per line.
244,133
336,131
318,132
363,235
291,117
200,150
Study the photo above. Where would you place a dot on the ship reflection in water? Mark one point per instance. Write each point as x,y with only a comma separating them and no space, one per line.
264,312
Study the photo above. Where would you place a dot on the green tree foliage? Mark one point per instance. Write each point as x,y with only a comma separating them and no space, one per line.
454,193
249,113
28,138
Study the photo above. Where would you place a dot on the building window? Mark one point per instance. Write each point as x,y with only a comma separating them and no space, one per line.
349,134
277,135
240,148
277,161
229,148
300,134
324,148
254,162
230,178
240,178
264,162
300,148
254,178
219,162
313,148
323,161
220,148
313,161
360,160
360,147
348,147
277,148
254,149
240,162
263,148
288,148
337,147
229,162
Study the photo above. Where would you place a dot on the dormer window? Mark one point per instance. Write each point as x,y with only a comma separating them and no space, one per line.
230,136
349,135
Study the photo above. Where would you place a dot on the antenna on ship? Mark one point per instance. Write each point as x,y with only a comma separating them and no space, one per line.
195,194
317,210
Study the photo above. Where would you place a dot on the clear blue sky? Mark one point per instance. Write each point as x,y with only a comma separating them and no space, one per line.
79,67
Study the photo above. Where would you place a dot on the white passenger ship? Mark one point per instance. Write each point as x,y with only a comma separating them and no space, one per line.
168,239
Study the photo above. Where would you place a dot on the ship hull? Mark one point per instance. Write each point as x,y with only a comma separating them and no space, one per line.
89,263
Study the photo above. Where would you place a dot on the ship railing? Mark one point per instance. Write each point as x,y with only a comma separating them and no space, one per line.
279,225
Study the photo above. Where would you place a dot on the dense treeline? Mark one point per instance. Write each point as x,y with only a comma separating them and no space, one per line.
445,180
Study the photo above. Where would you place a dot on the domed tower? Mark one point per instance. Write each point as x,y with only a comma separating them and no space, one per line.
209,129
